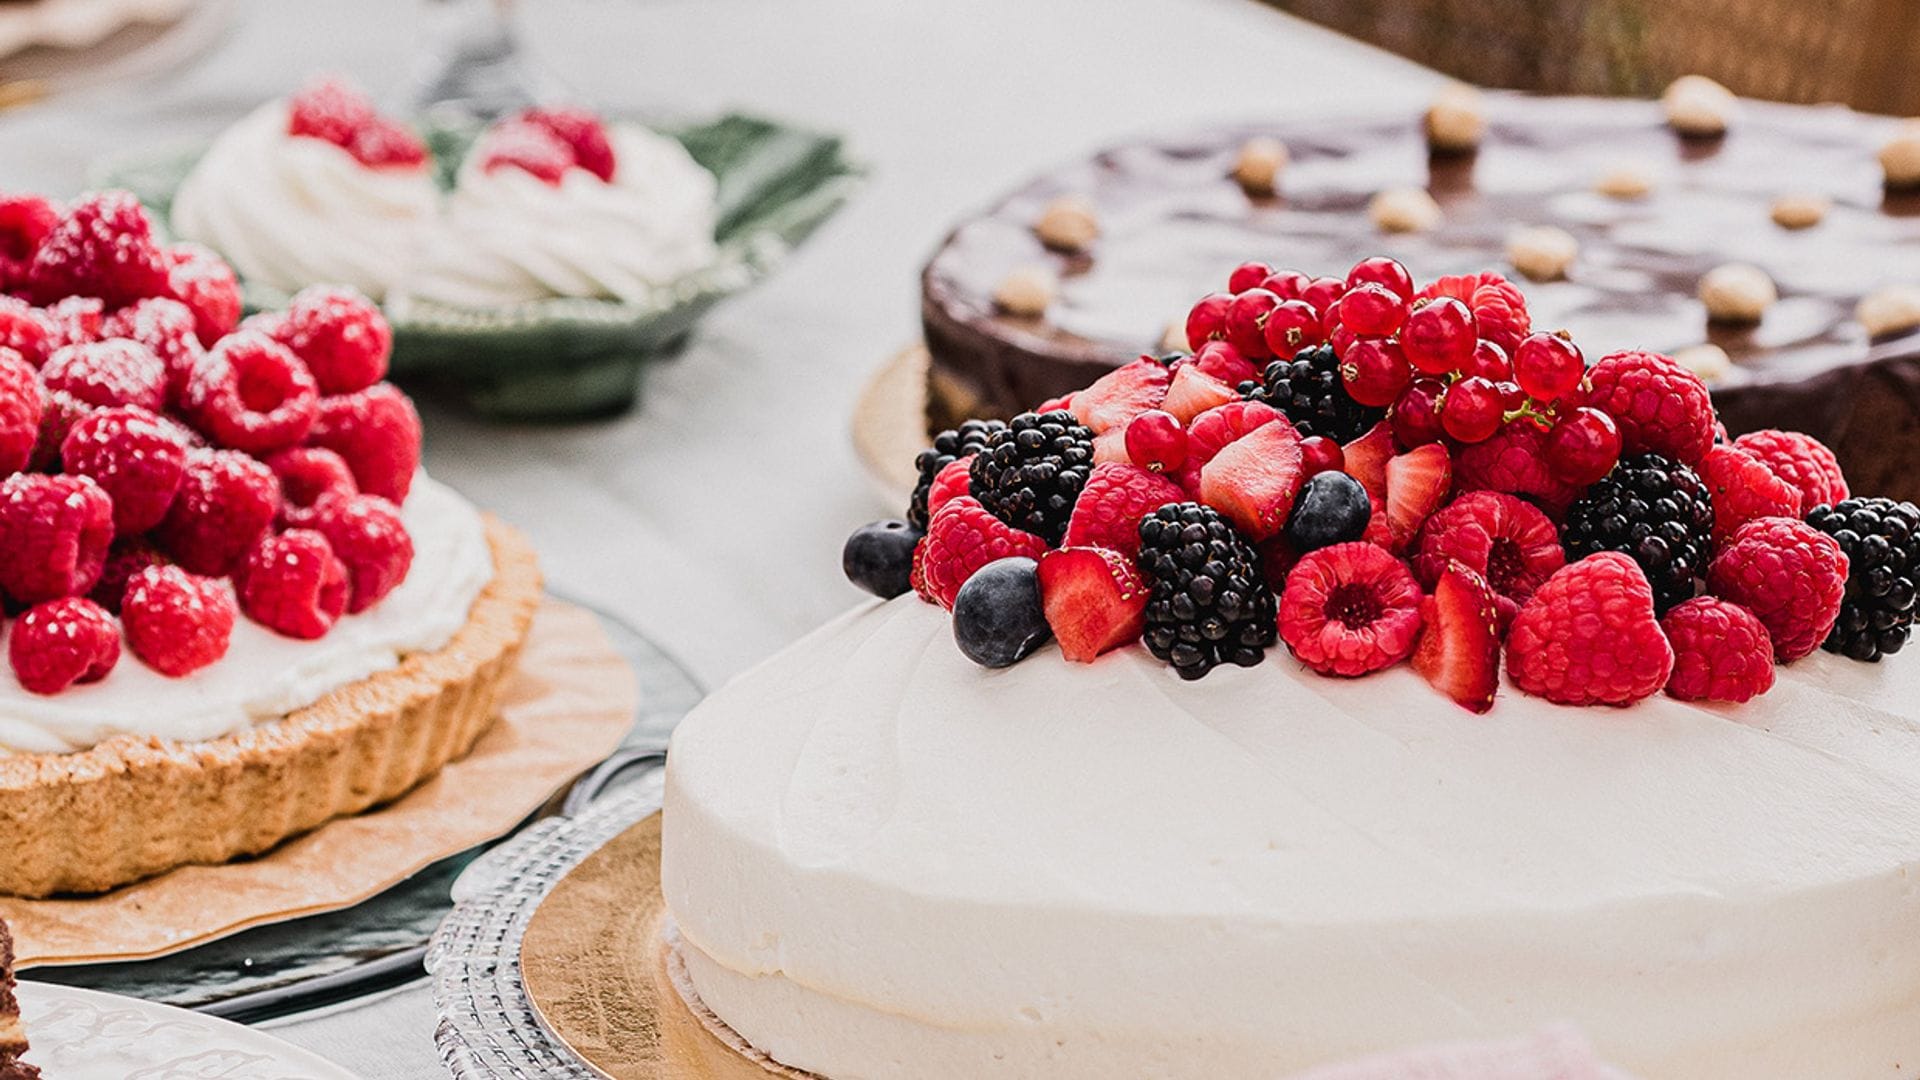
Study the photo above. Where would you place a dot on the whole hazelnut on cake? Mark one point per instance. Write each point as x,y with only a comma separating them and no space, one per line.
1026,291
1068,224
1889,310
1542,252
1627,181
1259,164
1737,293
1698,106
1457,119
1404,209
1708,361
1800,211
1900,157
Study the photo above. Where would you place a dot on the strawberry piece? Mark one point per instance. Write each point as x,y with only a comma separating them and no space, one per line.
1224,362
1215,428
61,642
1255,478
1110,447
328,109
584,134
534,150
952,481
176,622
1193,392
1122,394
1589,637
1094,599
1350,609
1064,401
962,538
1111,505
1417,484
1459,651
1743,488
1365,458
383,143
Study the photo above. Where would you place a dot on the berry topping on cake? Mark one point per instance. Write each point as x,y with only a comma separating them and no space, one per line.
1350,609
1515,462
20,406
1113,503
1499,310
1790,574
531,148
962,538
168,329
227,501
250,393
949,446
1208,603
335,112
377,431
1743,489
1458,652
367,536
108,373
1588,636
103,248
203,282
1655,510
1800,460
54,534
1156,440
293,584
1508,542
76,320
583,133
338,334
124,559
60,642
1122,394
135,457
25,221
1030,473
1332,509
26,330
1418,482
307,474
878,557
1881,539
1660,406
176,622
1721,652
1308,389
997,615
1094,598
1192,392
1254,479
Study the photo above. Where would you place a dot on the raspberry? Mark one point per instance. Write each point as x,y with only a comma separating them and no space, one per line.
62,642
167,328
226,502
383,143
1499,310
308,474
328,109
338,333
102,247
366,534
251,394
54,532
583,133
1508,542
1513,461
1790,574
1721,652
26,330
124,559
25,221
59,411
1800,460
1112,504
962,538
1742,488
952,481
176,622
530,148
1658,405
204,282
1350,609
293,584
20,406
138,461
75,320
1588,636
108,373
377,431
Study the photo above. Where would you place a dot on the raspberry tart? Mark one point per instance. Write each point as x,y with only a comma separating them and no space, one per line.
13,1033
1434,680
237,607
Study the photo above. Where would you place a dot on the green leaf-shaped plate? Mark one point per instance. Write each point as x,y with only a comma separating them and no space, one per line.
567,358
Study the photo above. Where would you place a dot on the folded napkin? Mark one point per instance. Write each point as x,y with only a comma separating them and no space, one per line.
1558,1053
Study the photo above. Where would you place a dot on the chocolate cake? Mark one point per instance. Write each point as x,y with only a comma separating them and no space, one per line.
1173,221
13,1034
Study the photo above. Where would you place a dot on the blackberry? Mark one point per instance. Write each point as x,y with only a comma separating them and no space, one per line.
1030,472
1654,510
1882,541
948,446
1208,603
1309,390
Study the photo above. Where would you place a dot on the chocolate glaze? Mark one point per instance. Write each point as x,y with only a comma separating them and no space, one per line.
1174,223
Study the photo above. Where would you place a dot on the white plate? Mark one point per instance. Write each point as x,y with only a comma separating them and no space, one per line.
87,1035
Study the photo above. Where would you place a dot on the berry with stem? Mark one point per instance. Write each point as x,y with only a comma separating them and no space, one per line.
1372,310
1207,321
1157,442
1473,410
1293,325
1548,366
1245,317
1583,446
1375,371
1416,413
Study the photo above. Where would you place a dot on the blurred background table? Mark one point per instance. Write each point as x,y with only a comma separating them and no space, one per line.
711,518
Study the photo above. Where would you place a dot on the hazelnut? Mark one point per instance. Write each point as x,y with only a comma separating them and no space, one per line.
1175,339
1457,118
1259,164
1625,182
1698,106
1710,362
1026,291
1542,252
1800,211
1404,209
1900,157
1889,310
1068,225
1737,293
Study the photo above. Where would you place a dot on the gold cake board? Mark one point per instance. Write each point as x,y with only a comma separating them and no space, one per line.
890,424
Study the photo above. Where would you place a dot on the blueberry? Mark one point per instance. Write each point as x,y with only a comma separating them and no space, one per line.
997,618
879,558
1332,509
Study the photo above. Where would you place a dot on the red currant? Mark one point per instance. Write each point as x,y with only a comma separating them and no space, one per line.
1511,396
1320,454
1439,336
1473,410
1287,284
1330,317
1156,442
1489,361
1341,339
1248,275
1548,366
1583,446
1245,316
1384,272
1293,325
1321,292
1416,415
1208,319
1375,371
1372,309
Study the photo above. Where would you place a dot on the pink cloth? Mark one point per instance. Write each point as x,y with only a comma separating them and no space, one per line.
1559,1053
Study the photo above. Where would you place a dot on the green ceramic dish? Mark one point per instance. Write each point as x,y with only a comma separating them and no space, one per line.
568,358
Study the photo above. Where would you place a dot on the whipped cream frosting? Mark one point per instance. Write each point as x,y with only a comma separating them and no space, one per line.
265,676
291,211
886,862
509,237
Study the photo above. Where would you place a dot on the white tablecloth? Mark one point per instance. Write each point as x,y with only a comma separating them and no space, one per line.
712,517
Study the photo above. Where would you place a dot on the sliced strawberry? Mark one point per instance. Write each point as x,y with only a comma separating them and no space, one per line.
1094,600
1254,480
1224,362
1459,651
1193,392
1110,447
1064,401
1122,394
952,481
1116,496
1417,483
1215,428
1366,459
